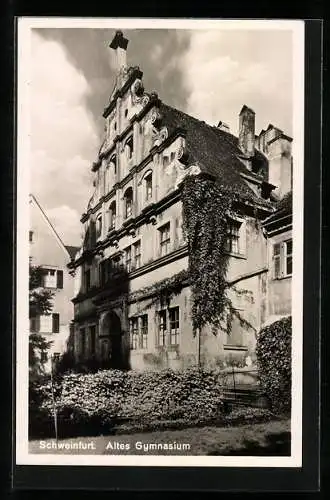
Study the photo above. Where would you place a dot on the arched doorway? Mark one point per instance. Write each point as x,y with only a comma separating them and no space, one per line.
111,338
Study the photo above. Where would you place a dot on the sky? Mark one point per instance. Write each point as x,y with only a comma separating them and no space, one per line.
208,74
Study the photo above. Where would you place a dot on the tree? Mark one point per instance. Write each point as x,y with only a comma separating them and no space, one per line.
40,303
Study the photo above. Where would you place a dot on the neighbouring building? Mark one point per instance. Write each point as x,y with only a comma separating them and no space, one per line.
134,239
48,251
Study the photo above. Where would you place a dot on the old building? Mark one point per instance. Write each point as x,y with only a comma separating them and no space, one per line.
48,251
133,231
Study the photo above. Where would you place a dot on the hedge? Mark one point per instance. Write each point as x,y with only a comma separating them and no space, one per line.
96,403
273,352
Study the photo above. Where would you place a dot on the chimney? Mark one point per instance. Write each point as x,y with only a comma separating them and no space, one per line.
223,126
119,44
246,137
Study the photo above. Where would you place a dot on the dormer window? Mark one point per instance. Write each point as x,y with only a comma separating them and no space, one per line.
112,215
148,186
166,161
128,200
129,148
126,113
172,156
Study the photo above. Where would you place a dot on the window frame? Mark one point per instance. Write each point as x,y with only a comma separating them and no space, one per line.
148,187
165,242
112,215
238,248
128,200
136,256
281,258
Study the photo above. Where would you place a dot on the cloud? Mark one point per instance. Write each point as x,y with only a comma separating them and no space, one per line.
64,138
67,223
222,70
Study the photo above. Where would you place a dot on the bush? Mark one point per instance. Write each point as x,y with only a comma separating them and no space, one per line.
273,352
95,403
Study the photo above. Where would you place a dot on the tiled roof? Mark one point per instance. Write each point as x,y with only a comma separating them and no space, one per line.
72,250
216,152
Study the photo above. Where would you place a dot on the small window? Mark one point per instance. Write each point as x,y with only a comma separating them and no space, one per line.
87,280
49,278
134,333
30,236
129,148
99,226
166,161
233,237
282,259
148,187
128,197
112,215
128,259
126,113
115,126
162,327
174,321
56,322
59,279
82,342
172,156
137,255
234,331
144,331
277,260
113,163
165,239
46,323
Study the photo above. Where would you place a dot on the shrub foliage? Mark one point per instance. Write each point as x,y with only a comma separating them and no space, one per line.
94,403
273,352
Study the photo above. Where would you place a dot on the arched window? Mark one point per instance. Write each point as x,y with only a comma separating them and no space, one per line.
99,226
129,148
148,186
112,215
128,199
113,163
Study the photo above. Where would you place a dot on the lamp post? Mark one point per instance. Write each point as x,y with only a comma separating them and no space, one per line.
53,396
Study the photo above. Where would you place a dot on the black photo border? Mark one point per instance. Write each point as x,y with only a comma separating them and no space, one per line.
237,479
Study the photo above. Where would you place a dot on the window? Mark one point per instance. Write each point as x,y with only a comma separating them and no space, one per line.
148,181
277,260
128,197
93,339
234,331
87,276
55,323
128,259
137,254
59,279
166,160
115,263
139,332
126,113
134,333
174,325
82,342
50,280
30,236
103,272
112,215
162,328
46,323
165,239
172,156
282,259
144,331
113,163
129,148
99,226
233,237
